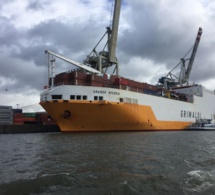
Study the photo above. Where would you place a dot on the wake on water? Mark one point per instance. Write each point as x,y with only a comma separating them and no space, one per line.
199,181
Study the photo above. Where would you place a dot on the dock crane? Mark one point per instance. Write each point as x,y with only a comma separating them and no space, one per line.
107,57
185,73
170,80
96,62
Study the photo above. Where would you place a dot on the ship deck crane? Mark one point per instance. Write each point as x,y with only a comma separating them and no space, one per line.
170,80
97,62
107,57
82,66
185,73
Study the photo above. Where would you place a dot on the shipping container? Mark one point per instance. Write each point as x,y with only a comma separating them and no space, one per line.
93,77
31,119
78,75
121,81
18,115
5,107
61,79
79,82
18,121
151,87
30,115
113,77
133,83
6,115
6,122
105,76
108,83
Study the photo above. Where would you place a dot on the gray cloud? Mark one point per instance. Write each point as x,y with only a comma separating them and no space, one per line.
36,5
156,34
165,36
148,38
26,47
9,35
58,37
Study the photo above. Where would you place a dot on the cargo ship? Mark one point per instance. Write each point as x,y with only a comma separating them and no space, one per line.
90,98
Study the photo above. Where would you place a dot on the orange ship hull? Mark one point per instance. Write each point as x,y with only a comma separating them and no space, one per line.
106,116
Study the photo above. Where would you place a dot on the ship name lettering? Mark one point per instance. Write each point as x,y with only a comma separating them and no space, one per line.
114,93
98,91
190,114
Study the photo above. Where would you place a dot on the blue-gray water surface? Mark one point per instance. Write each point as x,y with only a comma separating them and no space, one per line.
167,162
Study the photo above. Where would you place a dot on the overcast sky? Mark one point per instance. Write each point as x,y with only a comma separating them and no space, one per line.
153,36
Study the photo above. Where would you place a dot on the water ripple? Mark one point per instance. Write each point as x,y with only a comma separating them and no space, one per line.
108,163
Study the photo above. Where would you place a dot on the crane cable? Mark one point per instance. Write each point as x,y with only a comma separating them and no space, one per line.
188,51
180,61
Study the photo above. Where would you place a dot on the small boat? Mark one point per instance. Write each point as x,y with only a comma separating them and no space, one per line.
202,124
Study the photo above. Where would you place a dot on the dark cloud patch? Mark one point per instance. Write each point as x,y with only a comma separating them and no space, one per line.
35,5
25,49
19,74
58,37
32,54
152,36
202,70
9,35
164,35
85,2
204,63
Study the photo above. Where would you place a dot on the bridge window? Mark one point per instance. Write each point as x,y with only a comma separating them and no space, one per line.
78,97
84,97
72,97
56,97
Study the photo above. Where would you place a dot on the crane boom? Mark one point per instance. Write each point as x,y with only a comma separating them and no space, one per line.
115,25
82,66
168,81
189,67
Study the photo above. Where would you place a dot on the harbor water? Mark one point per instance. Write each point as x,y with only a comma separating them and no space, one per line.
167,162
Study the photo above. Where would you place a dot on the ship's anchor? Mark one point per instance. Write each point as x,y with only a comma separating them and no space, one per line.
66,114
